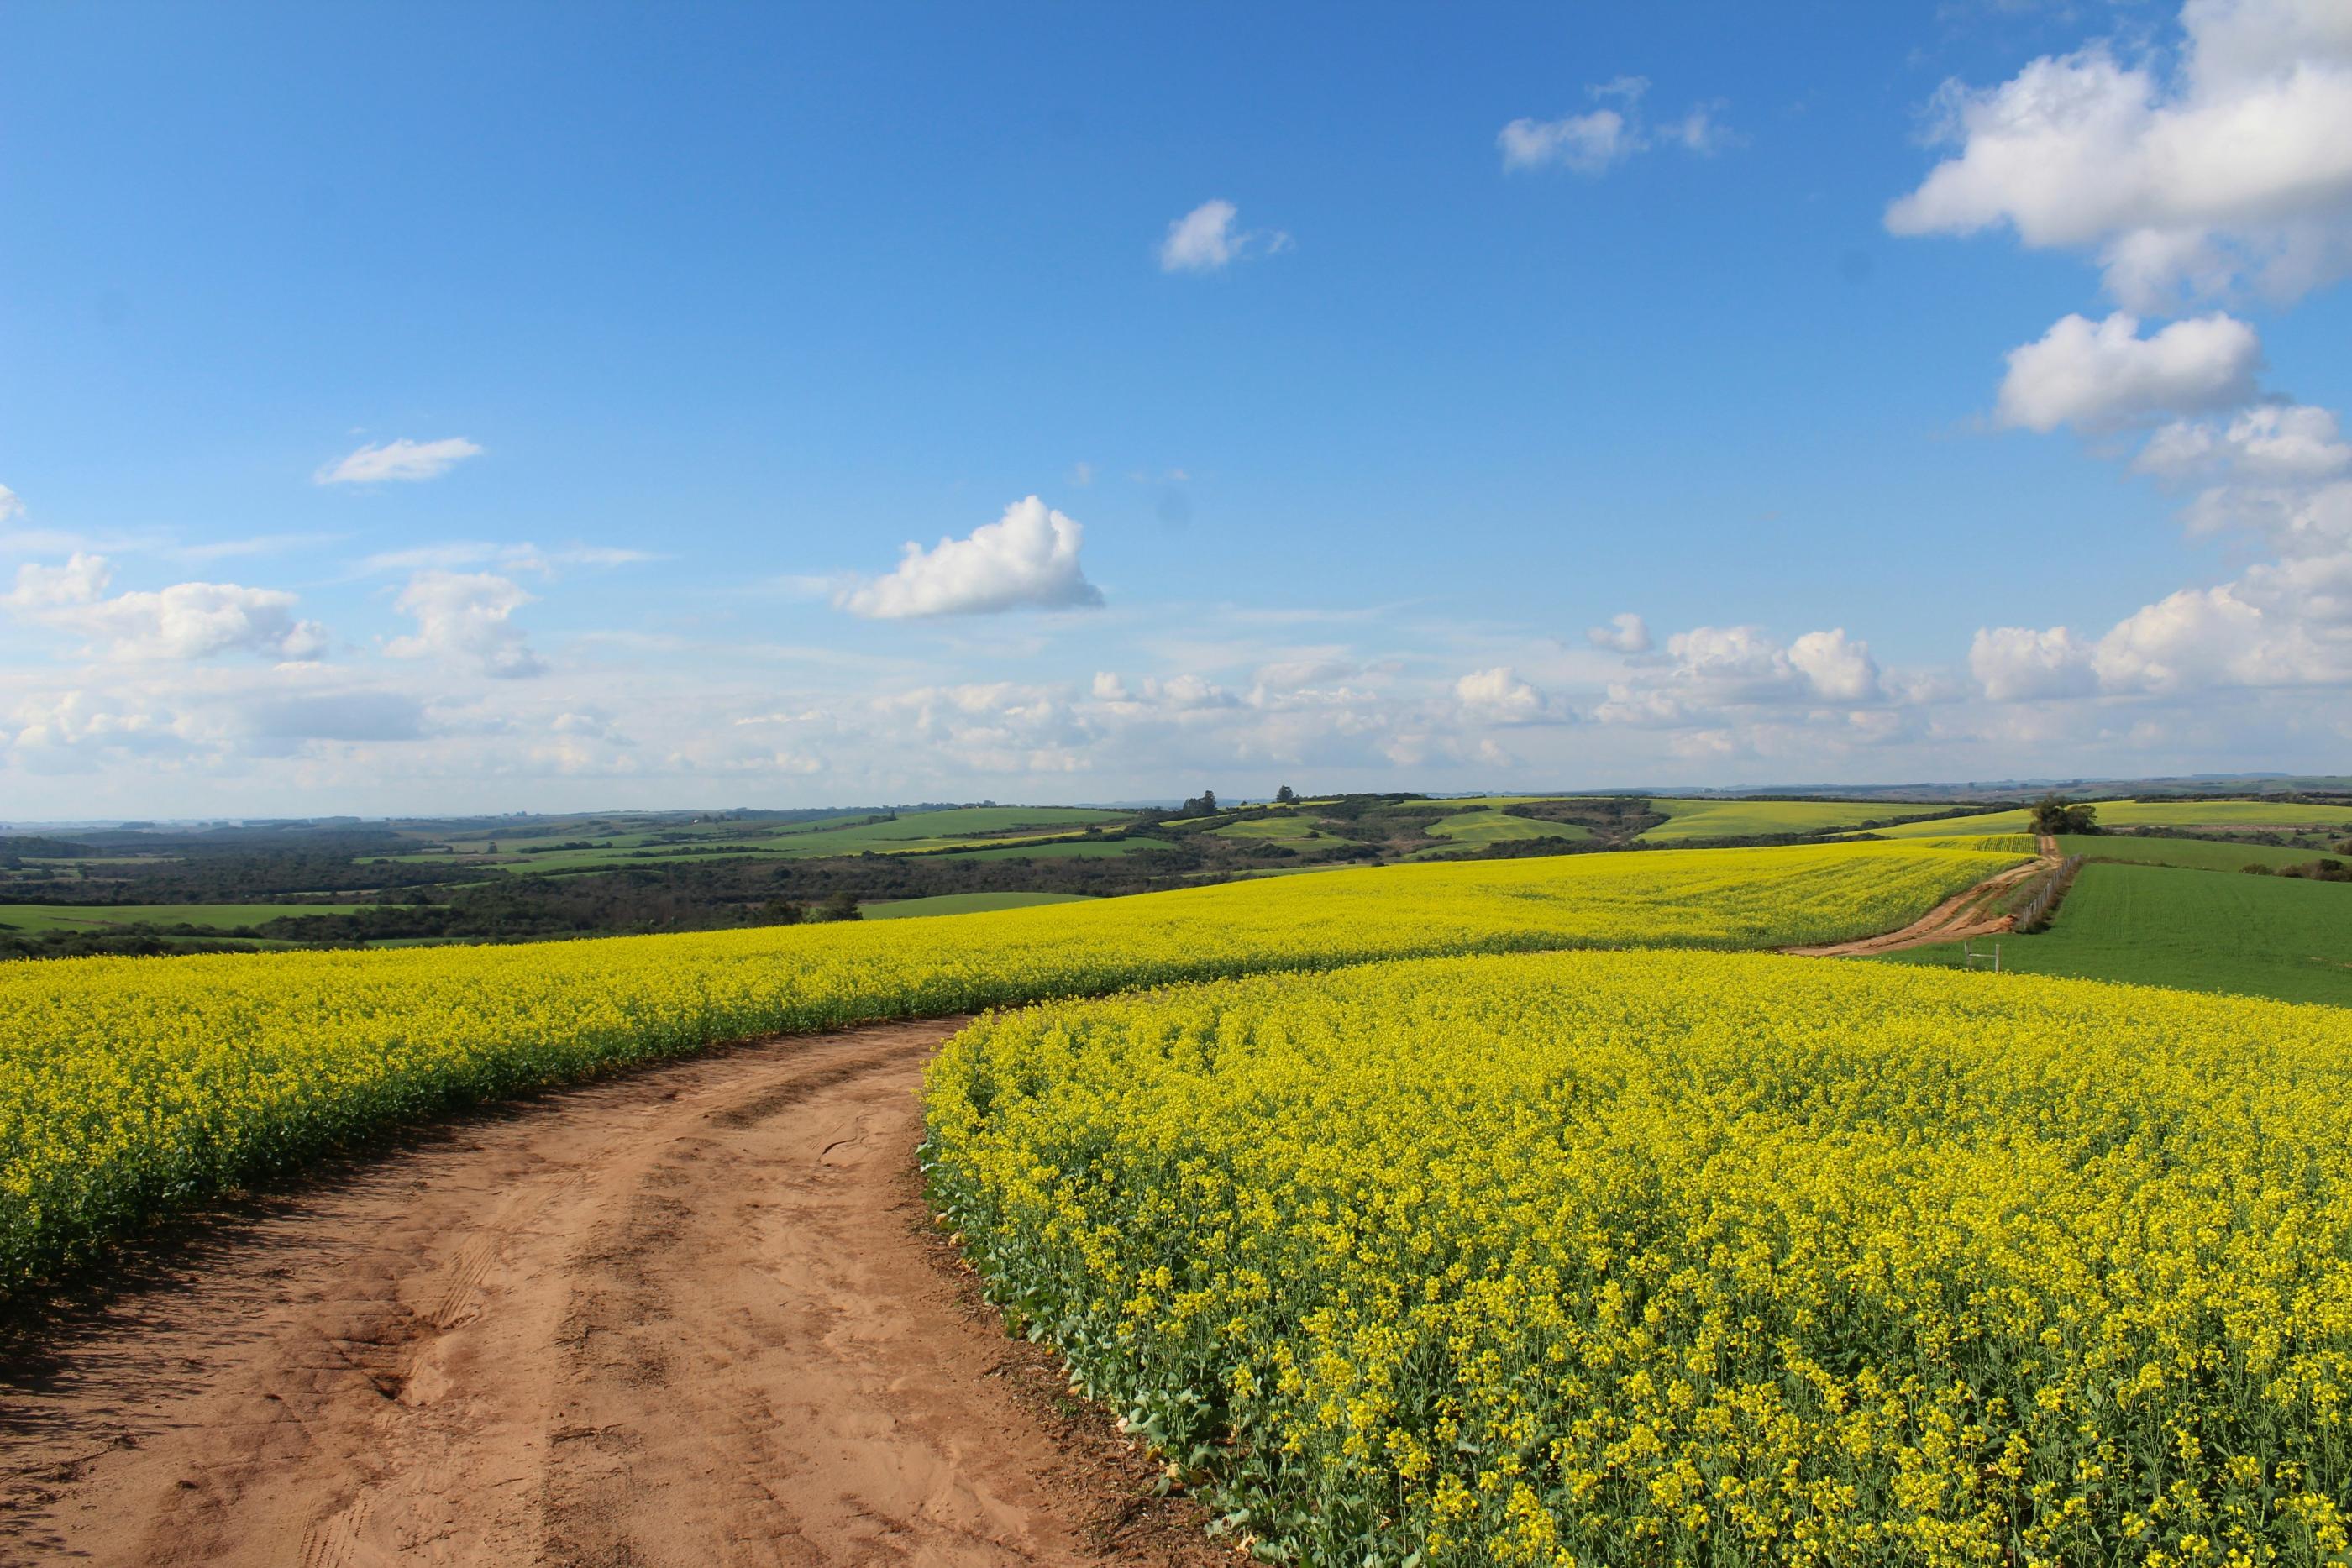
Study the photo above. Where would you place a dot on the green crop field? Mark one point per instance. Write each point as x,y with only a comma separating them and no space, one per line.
2191,930
964,904
1689,820
2145,814
2197,854
1292,832
968,822
1487,825
1053,849
691,843
99,917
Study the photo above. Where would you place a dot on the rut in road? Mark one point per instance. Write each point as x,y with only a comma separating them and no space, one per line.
694,1316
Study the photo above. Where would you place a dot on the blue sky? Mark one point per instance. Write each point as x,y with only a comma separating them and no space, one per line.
431,408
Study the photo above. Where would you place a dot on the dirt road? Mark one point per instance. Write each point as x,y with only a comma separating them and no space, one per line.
1970,913
689,1316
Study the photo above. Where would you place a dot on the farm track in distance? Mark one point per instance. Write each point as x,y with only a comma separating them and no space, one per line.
694,1314
1966,914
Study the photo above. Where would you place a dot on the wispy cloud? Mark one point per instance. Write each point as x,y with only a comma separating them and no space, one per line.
1595,143
256,545
454,553
404,460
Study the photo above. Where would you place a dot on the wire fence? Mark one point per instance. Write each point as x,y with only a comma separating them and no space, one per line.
2037,910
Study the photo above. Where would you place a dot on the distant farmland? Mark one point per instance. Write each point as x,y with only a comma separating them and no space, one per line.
1689,820
212,916
2147,814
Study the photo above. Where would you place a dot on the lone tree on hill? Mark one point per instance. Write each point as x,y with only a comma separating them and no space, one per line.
2056,814
1204,804
1285,796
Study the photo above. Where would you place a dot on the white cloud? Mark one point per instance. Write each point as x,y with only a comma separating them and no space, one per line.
1708,672
252,545
11,508
2278,443
467,619
1733,664
2233,167
1028,558
186,621
42,589
1499,696
1587,144
599,555
2015,664
1202,240
2097,375
507,557
1174,695
402,459
1206,240
1593,143
1626,633
1699,132
2281,625
1835,666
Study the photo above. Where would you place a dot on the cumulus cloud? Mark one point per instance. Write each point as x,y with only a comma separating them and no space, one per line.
1626,633
2277,442
186,621
1499,696
467,619
1028,558
1209,238
1175,694
2232,167
2278,472
1744,663
403,460
1835,666
2281,624
1708,672
1594,143
2098,375
2015,664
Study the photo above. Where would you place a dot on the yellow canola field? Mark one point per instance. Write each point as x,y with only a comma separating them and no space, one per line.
130,1086
1679,1257
2005,843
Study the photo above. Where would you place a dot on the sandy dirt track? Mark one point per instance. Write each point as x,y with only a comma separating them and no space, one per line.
692,1315
1968,912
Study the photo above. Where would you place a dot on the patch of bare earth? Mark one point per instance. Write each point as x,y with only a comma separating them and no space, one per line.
693,1315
